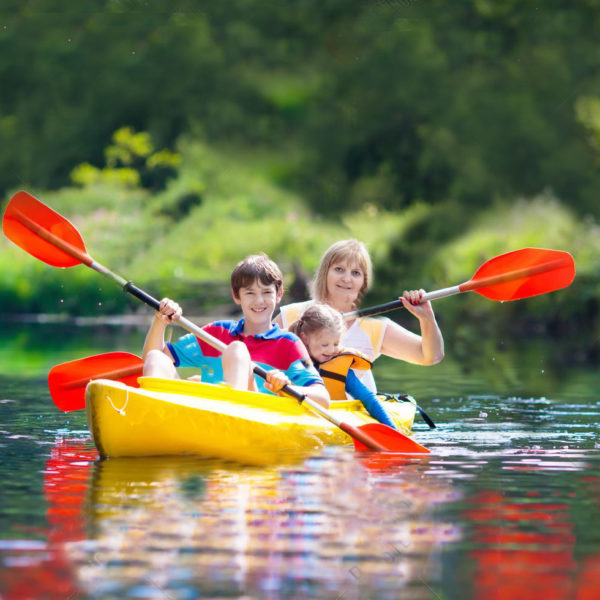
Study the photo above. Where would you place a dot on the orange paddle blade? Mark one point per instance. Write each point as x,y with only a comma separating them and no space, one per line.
42,232
390,439
522,274
67,381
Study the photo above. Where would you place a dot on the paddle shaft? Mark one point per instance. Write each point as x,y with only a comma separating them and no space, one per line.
467,286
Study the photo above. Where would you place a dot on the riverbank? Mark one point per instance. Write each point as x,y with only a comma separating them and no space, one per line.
189,253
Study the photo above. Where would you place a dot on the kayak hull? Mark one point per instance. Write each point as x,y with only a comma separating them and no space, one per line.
172,417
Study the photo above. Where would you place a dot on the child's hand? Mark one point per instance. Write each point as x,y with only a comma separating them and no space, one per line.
168,310
276,380
197,378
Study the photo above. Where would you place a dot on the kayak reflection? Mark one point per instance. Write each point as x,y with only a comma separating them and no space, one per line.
191,527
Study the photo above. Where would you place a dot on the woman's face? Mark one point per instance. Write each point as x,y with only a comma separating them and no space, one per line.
323,344
344,282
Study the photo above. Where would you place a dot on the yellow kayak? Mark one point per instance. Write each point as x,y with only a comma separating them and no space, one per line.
172,417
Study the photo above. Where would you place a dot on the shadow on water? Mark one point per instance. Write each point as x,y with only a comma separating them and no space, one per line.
506,505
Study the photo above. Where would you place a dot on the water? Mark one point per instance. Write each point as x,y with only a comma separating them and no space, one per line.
506,506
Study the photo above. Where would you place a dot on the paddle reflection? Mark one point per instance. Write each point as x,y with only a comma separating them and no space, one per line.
527,547
43,568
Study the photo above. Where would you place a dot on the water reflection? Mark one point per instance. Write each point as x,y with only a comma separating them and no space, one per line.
528,547
195,528
506,506
338,526
41,567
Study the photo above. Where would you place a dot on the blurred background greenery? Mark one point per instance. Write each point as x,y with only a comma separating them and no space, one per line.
180,136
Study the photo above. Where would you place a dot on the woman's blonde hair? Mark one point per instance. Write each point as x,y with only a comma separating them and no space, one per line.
316,317
351,251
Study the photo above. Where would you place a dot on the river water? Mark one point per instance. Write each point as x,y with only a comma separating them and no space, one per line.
506,506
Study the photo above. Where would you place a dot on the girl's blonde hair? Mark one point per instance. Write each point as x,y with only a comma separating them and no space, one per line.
316,317
351,251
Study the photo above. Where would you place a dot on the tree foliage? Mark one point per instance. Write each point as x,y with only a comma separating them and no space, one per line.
131,160
389,101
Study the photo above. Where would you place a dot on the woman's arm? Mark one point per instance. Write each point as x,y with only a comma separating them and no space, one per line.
426,349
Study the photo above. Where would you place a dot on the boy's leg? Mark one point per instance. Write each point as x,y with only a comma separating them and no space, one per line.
158,364
237,367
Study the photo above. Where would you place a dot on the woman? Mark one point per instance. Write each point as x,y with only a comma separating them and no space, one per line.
343,277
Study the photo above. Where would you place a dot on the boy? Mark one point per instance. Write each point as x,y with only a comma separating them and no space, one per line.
257,286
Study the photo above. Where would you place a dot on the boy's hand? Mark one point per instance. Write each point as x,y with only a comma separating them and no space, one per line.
196,378
168,310
276,380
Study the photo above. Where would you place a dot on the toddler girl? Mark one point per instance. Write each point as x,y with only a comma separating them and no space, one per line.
321,328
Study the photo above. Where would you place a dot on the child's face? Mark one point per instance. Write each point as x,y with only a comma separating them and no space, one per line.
323,344
258,302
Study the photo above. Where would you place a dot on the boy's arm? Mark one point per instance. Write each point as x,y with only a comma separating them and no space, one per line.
278,379
155,338
304,377
317,392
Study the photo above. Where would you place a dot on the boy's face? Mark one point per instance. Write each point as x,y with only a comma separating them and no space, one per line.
258,302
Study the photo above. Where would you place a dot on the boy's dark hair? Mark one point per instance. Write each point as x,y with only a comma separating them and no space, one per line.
256,267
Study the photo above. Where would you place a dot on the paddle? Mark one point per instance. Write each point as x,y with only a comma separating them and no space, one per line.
512,276
67,381
48,236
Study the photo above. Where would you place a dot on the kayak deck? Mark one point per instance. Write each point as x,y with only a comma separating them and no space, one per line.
174,417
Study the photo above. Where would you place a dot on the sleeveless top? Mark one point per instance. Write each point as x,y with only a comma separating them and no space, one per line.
365,335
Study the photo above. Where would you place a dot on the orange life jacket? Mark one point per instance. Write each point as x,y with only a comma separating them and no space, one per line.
335,371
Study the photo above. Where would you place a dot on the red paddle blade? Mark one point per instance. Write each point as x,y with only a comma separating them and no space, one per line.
26,219
522,274
67,381
390,439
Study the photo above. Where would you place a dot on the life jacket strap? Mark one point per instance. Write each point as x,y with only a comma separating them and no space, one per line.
332,375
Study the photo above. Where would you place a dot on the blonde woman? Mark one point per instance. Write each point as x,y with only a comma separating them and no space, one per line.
343,277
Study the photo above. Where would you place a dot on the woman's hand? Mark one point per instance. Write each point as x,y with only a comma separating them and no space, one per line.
412,300
168,311
276,380
400,343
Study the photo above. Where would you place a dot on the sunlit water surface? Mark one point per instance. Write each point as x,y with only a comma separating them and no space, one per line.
506,506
